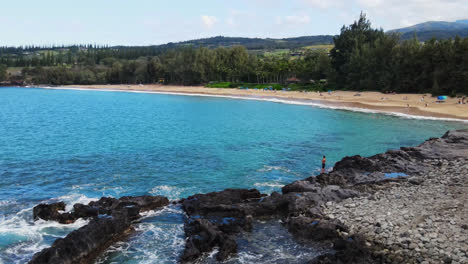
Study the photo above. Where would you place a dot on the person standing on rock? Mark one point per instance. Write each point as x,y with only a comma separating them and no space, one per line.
324,160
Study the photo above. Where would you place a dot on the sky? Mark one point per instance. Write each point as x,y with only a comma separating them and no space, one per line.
152,22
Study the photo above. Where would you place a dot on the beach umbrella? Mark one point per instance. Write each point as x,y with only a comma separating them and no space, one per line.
442,97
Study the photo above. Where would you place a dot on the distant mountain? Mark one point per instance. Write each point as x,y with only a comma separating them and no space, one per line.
463,21
255,43
434,29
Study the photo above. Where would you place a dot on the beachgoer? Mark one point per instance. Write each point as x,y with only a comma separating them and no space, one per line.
324,160
426,104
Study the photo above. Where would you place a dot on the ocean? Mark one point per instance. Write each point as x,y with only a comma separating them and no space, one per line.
78,145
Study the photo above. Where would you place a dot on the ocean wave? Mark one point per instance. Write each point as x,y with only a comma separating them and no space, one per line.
269,184
277,100
267,168
166,210
72,199
21,236
159,238
171,192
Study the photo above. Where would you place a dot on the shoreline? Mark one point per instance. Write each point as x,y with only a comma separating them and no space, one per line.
367,102
362,214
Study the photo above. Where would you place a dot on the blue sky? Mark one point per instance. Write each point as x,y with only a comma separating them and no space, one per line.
146,22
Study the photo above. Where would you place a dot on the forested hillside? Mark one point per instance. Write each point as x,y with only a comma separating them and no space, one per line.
363,58
434,29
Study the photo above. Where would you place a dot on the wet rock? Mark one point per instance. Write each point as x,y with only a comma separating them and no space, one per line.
111,221
50,212
146,202
203,204
203,236
316,229
307,185
84,211
84,244
351,251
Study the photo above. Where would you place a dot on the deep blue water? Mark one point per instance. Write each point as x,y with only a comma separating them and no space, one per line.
80,145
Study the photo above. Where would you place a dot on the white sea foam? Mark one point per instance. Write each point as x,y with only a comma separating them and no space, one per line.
6,202
26,236
166,210
269,184
72,199
276,100
270,168
267,168
171,192
159,240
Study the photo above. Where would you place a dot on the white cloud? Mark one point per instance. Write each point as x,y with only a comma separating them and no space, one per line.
230,21
297,19
370,2
390,14
324,3
401,13
209,21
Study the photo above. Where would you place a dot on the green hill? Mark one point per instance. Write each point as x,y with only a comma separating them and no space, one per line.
434,29
254,43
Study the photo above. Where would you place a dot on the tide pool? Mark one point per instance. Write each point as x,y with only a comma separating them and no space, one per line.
77,146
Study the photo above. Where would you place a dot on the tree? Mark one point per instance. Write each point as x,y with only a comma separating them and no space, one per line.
3,72
350,43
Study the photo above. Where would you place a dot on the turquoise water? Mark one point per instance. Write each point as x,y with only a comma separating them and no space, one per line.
80,145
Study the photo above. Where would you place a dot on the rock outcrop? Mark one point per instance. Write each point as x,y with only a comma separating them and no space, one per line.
401,206
215,217
111,221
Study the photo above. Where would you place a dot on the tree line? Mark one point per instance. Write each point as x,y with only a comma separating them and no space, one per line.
368,59
363,58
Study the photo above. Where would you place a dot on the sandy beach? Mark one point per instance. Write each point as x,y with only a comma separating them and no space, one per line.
408,104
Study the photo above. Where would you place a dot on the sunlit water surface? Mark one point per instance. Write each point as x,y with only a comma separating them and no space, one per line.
76,146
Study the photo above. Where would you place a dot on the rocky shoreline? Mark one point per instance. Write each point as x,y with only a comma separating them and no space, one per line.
420,221
402,206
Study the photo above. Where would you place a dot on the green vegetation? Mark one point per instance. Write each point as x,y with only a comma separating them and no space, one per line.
3,73
368,59
270,86
362,58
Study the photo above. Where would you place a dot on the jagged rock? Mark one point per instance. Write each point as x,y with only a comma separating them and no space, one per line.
111,220
215,217
146,202
316,229
84,244
202,237
228,246
51,212
307,185
356,250
202,204
84,211
408,160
